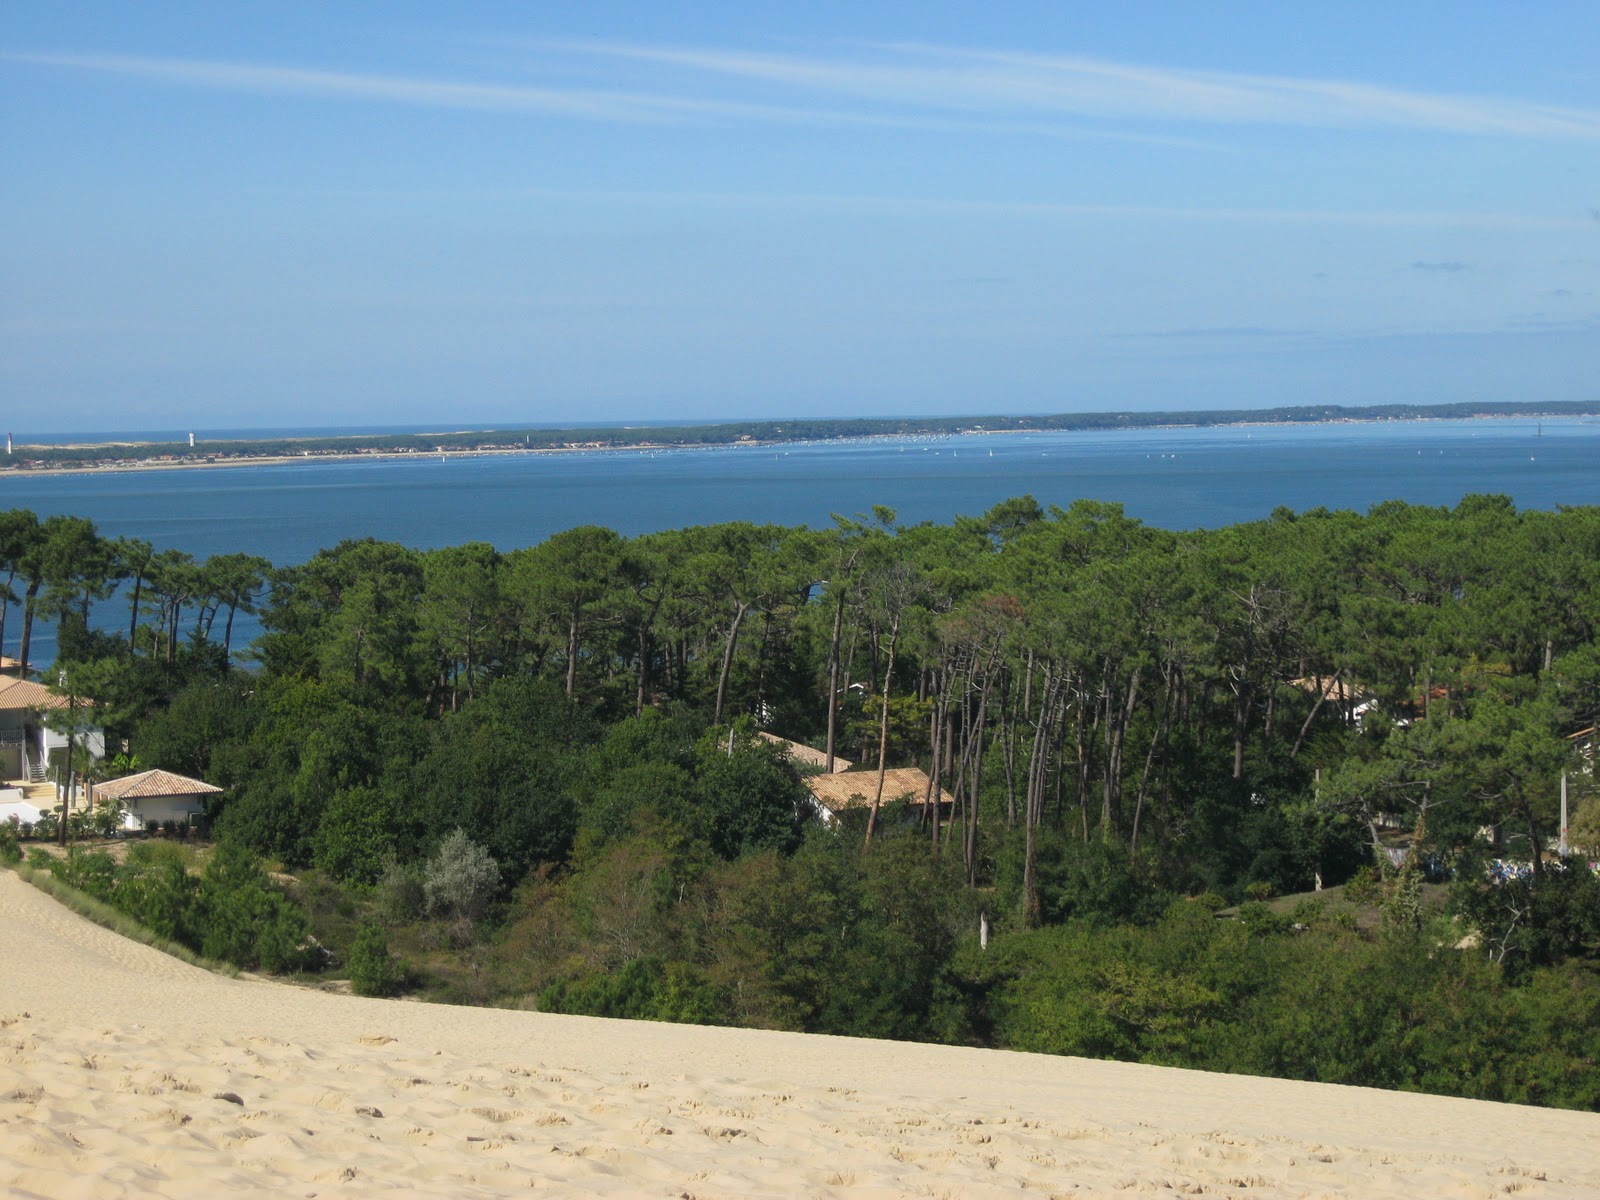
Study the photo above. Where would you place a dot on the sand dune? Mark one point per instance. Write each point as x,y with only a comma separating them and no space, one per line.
127,1073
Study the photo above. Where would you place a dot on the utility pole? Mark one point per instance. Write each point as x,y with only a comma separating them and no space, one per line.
1561,843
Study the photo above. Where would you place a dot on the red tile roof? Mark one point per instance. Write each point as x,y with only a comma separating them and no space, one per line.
153,783
25,693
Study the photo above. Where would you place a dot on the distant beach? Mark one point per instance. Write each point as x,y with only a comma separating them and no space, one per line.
122,454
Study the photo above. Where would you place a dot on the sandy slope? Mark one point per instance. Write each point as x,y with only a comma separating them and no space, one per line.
125,1072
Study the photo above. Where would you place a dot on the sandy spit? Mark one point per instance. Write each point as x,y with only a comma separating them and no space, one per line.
124,1072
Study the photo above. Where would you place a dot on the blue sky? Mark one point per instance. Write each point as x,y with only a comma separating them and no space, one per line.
252,215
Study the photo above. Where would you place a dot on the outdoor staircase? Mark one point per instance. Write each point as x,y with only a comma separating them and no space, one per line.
37,789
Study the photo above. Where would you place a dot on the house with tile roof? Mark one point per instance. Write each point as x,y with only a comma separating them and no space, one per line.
152,798
27,743
805,756
834,795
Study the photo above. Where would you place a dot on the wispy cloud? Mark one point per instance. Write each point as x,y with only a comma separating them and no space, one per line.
297,81
897,85
994,81
613,104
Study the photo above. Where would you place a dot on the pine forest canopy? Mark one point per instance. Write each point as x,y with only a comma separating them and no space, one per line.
1121,714
1122,680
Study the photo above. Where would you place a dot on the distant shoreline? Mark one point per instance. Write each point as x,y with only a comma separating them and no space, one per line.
124,455
279,460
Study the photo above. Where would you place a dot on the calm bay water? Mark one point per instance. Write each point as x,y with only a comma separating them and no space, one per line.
1175,478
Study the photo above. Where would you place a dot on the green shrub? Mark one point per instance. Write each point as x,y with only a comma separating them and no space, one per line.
1308,913
154,887
1078,880
91,872
354,835
1364,887
399,893
1259,919
247,921
373,970
646,989
107,817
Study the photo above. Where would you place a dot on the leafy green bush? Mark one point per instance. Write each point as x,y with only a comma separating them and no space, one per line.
107,817
1079,880
399,893
91,872
355,835
373,970
646,989
1524,923
154,887
1364,887
1259,919
247,921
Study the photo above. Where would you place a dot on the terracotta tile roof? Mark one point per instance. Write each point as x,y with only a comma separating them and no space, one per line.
805,754
854,789
25,693
153,783
1331,689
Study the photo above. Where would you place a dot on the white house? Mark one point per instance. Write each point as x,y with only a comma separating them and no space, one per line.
153,797
26,742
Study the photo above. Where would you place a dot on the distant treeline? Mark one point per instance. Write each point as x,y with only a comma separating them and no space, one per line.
734,432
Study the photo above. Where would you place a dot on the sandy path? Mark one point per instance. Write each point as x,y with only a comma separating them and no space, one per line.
115,1061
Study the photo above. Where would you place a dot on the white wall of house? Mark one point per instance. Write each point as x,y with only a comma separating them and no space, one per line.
819,811
146,811
94,739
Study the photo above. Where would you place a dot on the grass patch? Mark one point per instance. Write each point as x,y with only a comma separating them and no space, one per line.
117,922
1365,915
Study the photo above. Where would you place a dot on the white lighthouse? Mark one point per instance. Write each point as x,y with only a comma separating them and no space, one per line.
8,445
191,441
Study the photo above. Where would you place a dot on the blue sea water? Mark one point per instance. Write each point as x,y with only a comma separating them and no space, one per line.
1179,478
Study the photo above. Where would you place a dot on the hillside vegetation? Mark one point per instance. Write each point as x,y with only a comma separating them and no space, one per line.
534,776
